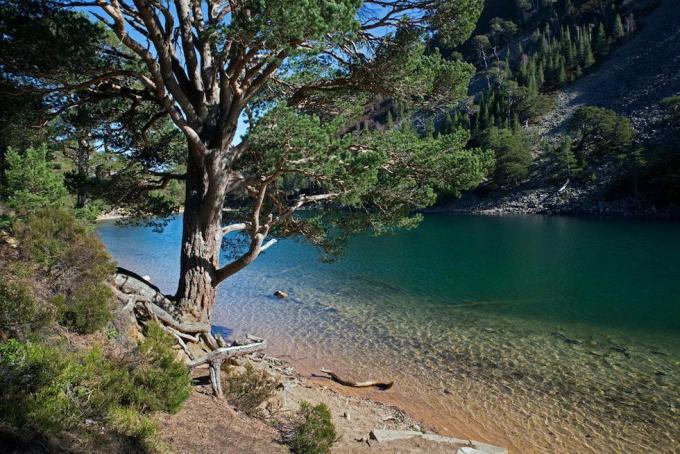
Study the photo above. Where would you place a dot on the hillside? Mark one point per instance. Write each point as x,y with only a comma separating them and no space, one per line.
635,77
632,81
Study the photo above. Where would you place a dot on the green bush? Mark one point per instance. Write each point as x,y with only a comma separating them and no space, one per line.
30,183
76,265
599,132
49,390
162,382
513,155
20,313
89,308
248,390
314,432
42,388
671,108
141,429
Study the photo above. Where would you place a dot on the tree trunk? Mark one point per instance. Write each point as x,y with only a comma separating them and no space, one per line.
201,236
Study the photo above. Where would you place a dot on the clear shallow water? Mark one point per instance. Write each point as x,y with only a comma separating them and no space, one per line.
541,334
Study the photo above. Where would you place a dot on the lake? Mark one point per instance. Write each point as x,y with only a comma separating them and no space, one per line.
543,334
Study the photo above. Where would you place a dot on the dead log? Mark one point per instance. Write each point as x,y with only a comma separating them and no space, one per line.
383,385
222,354
216,357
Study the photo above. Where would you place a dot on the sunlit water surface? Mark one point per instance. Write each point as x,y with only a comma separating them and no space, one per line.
540,334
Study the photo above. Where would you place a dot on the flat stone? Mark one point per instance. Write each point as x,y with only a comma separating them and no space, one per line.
382,436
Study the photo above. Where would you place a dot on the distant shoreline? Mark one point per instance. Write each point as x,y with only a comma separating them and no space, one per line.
115,215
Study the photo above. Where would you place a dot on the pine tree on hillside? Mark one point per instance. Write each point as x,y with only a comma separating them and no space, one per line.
600,42
618,33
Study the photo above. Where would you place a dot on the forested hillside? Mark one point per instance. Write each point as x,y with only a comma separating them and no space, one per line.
548,72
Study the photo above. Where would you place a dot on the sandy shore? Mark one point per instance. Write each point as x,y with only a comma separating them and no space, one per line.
357,419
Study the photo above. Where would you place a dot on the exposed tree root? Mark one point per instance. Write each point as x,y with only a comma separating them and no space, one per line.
361,384
144,302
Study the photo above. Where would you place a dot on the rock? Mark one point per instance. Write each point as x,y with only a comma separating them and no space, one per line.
146,277
346,416
280,294
475,447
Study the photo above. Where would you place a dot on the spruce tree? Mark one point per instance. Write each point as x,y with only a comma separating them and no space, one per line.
618,33
562,75
600,42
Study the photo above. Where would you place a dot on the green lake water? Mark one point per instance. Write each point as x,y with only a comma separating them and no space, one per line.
544,334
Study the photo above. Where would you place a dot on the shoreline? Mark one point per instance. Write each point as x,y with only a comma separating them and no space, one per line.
363,423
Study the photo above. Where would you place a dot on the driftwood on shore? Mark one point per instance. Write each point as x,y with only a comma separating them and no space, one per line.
144,302
355,384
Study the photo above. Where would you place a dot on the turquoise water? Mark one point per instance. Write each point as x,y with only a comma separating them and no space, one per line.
544,334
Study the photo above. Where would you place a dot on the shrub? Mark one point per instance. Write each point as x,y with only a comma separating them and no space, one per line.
50,390
248,390
76,263
20,313
42,387
314,432
30,183
671,107
161,383
599,132
141,429
513,155
89,308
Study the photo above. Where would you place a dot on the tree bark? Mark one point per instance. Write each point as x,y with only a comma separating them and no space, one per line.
206,183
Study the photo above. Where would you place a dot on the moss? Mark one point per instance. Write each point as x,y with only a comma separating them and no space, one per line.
314,432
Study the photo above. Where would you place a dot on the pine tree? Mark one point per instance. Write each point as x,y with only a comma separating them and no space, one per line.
618,33
562,75
600,42
515,122
390,120
589,58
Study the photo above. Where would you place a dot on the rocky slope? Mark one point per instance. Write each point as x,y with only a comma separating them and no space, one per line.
631,81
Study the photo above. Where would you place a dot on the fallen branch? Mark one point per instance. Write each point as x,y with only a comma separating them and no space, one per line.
354,384
216,357
222,354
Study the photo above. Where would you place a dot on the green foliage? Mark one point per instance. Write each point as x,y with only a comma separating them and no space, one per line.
20,313
314,432
140,428
162,382
88,309
671,107
248,390
50,390
76,264
30,183
566,165
599,132
600,41
41,387
513,155
649,175
375,179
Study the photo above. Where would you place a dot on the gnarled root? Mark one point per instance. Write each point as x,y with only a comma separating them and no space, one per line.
144,302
